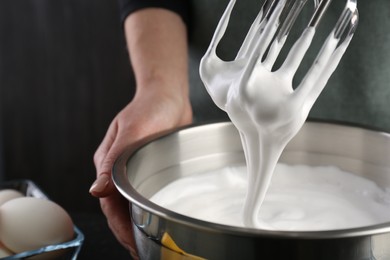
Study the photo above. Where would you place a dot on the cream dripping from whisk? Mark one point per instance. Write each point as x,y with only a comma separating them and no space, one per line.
261,103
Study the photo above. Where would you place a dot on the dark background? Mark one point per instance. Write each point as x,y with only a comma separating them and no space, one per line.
64,75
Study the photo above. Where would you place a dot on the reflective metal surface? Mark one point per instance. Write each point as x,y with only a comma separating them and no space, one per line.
139,174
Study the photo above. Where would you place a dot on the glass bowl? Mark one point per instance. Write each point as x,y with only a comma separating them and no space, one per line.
71,248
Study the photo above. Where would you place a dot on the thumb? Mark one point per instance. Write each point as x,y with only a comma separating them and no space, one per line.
103,186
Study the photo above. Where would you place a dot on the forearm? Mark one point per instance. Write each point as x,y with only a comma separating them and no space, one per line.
157,44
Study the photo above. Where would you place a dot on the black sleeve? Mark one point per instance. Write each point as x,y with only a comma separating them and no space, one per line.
181,7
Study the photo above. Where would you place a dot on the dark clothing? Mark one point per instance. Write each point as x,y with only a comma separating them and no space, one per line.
178,6
358,91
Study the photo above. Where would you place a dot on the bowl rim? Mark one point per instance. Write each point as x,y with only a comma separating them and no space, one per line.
119,177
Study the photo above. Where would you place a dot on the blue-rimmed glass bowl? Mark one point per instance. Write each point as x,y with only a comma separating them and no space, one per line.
71,248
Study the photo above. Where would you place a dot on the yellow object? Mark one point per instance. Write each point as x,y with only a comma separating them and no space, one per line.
168,243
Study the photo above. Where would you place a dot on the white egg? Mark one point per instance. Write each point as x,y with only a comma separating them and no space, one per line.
9,194
30,223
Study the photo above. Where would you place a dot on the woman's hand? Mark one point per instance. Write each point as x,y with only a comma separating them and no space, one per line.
157,44
149,113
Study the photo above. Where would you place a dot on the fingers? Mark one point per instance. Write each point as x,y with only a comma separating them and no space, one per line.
102,186
116,210
104,158
105,147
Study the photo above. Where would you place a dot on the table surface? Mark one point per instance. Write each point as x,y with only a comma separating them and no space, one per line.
99,242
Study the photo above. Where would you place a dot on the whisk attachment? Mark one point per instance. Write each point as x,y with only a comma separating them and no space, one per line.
320,9
261,102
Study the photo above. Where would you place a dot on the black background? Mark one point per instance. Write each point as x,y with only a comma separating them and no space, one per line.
64,74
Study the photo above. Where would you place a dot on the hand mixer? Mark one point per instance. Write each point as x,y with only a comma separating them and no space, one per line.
262,103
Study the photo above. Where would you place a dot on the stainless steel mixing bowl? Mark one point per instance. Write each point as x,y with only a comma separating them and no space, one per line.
163,234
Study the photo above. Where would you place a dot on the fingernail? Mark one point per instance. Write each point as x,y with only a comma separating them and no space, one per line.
100,184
